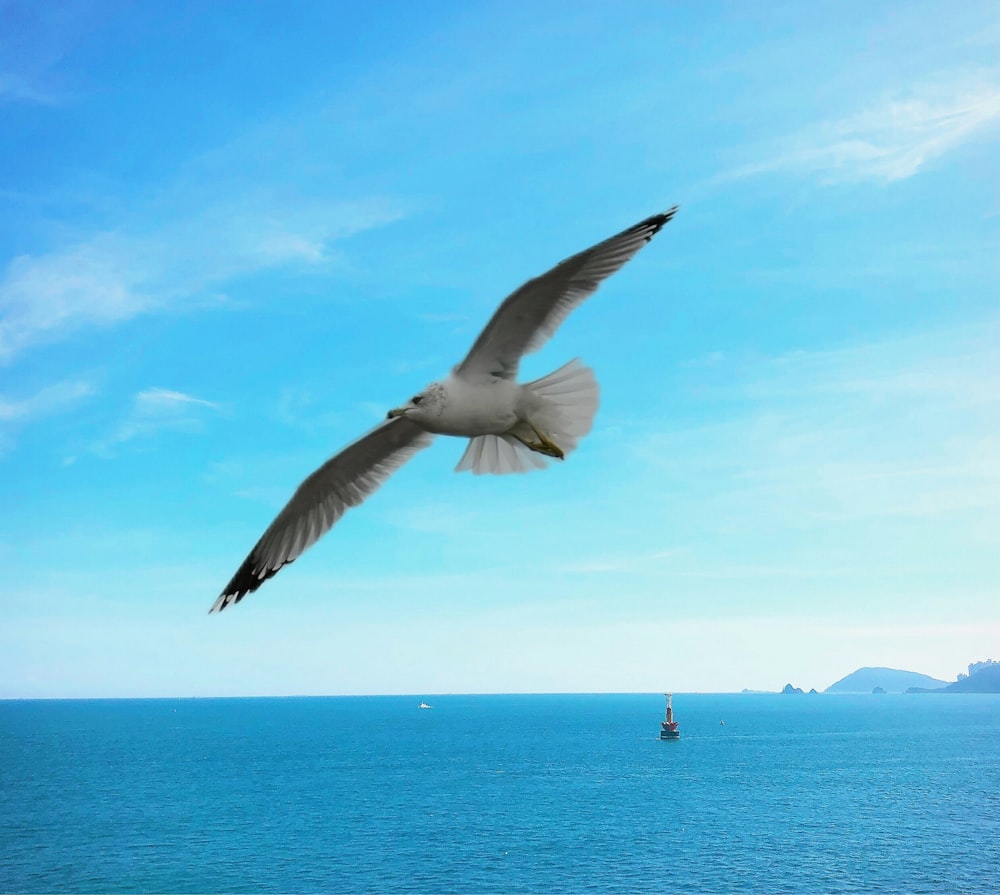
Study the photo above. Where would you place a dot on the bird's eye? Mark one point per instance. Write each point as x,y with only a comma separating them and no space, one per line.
416,399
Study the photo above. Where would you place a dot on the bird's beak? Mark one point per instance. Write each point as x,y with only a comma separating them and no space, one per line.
398,411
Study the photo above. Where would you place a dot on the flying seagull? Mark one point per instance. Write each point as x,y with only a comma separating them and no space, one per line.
510,426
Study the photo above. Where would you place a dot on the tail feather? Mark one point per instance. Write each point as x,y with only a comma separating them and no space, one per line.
499,455
565,404
564,381
572,395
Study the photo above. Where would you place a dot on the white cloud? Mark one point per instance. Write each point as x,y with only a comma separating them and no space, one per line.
624,562
893,138
51,399
15,413
15,88
435,518
155,410
156,401
113,277
37,40
903,429
42,297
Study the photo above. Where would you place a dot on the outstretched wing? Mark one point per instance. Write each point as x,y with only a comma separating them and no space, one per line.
529,316
342,482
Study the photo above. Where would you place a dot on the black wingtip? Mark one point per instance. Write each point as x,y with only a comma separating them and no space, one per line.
246,580
654,224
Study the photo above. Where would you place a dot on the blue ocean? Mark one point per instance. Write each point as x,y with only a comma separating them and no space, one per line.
560,793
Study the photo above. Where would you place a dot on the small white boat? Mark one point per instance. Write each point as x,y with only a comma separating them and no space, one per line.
424,705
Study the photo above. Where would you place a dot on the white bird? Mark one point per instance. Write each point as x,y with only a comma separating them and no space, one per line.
509,425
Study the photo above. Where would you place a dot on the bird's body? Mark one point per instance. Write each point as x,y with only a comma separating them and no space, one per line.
511,426
469,408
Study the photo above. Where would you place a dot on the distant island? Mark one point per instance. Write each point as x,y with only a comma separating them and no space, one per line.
983,677
886,680
788,688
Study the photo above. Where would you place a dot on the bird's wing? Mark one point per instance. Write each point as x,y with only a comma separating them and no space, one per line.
529,316
342,482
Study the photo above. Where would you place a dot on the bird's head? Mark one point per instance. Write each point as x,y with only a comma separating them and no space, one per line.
422,406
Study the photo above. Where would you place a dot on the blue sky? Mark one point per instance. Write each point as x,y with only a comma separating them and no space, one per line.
233,235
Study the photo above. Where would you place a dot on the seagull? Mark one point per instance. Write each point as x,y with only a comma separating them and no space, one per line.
511,426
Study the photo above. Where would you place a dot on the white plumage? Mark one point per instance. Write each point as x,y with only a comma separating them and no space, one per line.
511,427
563,405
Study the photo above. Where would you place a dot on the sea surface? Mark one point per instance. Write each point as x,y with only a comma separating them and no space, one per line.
556,793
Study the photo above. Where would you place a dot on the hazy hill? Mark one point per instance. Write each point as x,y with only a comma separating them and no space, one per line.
986,680
864,680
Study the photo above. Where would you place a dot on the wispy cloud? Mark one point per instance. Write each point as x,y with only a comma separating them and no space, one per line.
436,518
15,88
624,562
304,409
155,410
899,429
159,400
38,37
16,413
44,297
51,399
115,276
892,139
957,366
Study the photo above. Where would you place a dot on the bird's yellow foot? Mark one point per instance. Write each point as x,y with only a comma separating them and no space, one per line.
545,446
